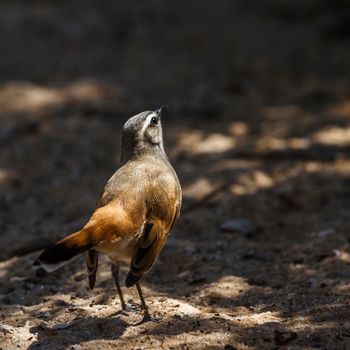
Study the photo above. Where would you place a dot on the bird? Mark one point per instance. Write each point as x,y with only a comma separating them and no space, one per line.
134,214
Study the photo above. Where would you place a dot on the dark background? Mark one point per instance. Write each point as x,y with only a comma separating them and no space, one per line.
258,128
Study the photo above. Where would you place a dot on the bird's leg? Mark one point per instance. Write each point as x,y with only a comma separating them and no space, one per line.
144,306
147,316
115,273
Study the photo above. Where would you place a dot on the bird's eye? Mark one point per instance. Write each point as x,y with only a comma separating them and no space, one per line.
154,120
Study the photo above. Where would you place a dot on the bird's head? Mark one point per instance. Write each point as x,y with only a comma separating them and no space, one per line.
143,133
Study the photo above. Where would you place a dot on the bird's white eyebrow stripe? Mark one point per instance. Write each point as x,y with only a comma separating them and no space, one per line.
147,122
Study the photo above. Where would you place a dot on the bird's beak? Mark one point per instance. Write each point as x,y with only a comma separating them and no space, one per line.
160,111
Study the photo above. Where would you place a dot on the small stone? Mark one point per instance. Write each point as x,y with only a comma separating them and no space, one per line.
243,226
326,232
336,253
191,249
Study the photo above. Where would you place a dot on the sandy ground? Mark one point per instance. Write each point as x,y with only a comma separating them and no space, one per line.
258,129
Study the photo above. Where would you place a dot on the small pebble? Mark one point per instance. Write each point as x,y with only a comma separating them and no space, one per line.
244,226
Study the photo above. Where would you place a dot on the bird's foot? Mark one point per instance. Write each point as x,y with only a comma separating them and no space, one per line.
129,307
148,318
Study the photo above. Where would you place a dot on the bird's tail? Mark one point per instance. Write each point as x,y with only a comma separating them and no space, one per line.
65,250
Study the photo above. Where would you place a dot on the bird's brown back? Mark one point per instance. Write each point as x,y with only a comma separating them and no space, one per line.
146,187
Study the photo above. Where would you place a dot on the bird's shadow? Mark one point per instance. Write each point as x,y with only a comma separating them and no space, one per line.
78,331
82,330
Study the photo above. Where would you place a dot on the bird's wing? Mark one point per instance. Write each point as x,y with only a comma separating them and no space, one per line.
146,251
163,201
92,264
